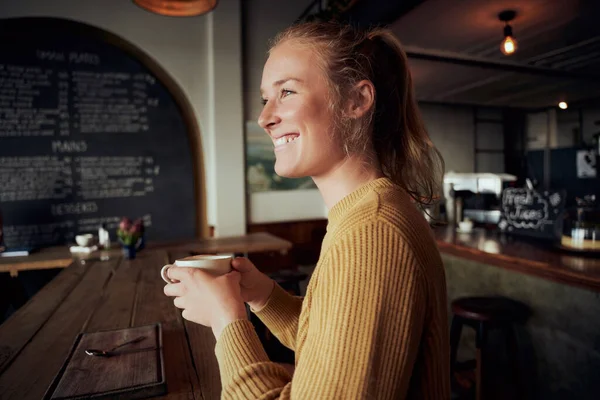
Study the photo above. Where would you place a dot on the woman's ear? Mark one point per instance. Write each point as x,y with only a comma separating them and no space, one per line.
361,100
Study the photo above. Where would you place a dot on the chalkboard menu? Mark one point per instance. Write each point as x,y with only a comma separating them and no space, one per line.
89,132
532,213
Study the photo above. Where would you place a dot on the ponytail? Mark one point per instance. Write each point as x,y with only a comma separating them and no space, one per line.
404,150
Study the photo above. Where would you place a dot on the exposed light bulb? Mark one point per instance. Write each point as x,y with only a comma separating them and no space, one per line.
563,105
508,45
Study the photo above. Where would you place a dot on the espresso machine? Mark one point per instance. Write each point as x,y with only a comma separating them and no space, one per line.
474,196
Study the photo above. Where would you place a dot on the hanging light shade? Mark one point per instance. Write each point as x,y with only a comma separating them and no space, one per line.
509,44
178,8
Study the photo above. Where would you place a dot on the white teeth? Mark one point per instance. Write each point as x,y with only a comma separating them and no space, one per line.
284,140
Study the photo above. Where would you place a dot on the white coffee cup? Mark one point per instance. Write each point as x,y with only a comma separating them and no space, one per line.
84,240
465,225
215,264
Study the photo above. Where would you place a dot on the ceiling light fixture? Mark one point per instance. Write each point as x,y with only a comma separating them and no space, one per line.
178,8
509,43
563,105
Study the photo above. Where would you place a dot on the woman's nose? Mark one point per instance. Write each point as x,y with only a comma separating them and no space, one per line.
268,116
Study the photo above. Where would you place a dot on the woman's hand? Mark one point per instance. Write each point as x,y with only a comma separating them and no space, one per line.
209,300
256,287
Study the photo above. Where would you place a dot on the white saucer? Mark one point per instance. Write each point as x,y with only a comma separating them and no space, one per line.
463,231
472,230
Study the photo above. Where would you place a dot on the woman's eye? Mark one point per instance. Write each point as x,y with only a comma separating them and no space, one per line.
286,92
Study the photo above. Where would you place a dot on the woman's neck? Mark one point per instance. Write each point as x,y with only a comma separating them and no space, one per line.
352,173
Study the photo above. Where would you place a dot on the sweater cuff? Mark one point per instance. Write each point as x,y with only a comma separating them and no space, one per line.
237,347
280,306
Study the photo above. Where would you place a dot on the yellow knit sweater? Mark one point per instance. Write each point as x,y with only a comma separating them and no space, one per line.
373,324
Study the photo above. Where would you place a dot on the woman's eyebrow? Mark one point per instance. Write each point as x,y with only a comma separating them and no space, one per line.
281,82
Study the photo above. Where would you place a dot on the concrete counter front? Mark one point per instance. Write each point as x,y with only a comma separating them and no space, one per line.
560,343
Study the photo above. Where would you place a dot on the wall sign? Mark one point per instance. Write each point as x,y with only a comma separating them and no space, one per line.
533,213
89,132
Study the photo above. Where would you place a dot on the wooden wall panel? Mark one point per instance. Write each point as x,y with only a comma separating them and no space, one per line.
306,237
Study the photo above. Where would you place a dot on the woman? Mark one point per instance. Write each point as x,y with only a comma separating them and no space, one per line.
339,107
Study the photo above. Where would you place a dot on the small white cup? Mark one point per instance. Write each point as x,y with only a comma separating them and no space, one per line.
466,225
84,240
216,265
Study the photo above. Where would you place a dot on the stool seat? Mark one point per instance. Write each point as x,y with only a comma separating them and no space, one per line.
491,309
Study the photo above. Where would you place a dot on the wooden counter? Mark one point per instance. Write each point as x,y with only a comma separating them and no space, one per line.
522,255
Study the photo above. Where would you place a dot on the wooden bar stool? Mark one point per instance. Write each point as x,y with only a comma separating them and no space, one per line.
484,314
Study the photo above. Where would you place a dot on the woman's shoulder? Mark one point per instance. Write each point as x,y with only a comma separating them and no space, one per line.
390,204
387,209
397,207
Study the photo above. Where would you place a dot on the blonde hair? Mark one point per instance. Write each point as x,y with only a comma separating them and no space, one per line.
393,128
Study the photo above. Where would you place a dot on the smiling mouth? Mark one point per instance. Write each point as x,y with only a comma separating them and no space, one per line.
285,139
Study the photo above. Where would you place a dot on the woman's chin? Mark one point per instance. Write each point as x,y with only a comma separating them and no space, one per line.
287,171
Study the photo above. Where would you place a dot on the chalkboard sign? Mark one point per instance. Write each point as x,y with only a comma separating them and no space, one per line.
90,131
532,213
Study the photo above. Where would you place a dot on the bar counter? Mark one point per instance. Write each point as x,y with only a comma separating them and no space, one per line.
559,344
521,255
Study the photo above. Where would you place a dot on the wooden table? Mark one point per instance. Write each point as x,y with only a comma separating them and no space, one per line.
51,257
104,295
60,257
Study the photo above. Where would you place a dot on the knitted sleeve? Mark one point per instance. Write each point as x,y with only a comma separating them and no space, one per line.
365,324
281,314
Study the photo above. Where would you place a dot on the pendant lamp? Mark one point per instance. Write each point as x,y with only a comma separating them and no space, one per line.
178,8
509,44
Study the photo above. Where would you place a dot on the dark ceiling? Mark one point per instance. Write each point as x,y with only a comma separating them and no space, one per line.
454,49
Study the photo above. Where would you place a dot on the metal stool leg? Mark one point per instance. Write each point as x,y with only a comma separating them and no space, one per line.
455,332
480,341
513,352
